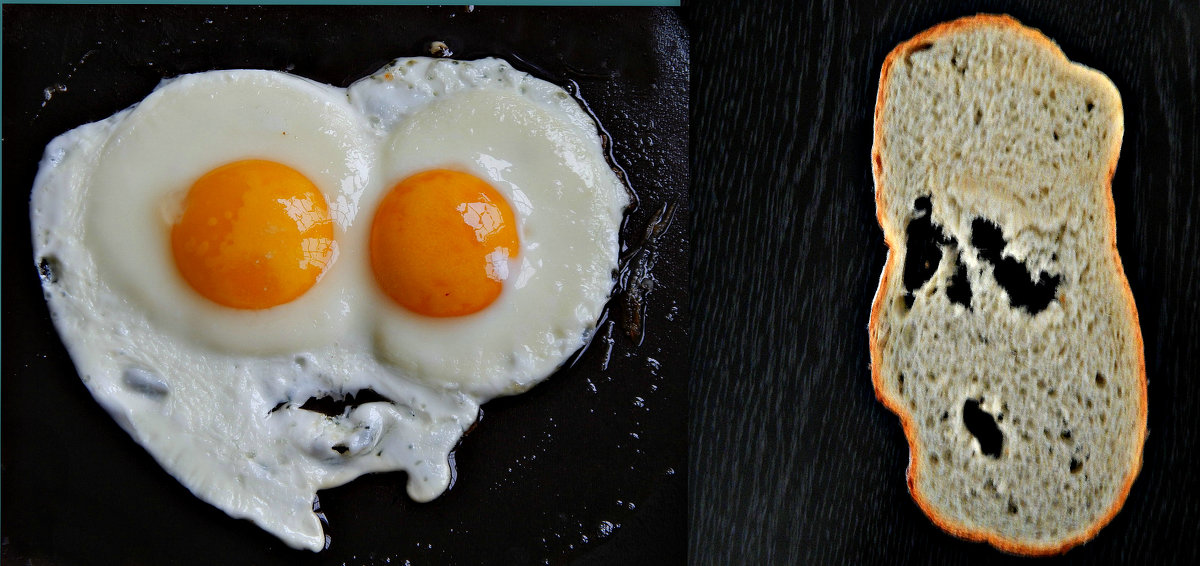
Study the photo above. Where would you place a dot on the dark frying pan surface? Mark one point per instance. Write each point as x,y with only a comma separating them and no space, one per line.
588,466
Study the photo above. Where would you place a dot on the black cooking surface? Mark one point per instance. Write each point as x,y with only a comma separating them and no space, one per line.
590,465
793,459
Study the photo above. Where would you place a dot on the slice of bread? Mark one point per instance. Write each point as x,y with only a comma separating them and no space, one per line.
1004,333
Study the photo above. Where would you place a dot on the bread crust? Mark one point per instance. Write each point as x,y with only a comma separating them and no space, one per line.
893,404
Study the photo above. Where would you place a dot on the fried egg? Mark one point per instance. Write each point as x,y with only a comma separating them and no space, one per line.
241,243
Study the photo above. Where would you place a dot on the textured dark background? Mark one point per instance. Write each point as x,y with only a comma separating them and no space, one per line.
794,462
541,475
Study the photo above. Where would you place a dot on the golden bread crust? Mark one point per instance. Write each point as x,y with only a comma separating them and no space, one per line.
893,404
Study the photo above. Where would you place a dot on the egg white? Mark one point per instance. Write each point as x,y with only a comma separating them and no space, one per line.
527,139
189,126
215,394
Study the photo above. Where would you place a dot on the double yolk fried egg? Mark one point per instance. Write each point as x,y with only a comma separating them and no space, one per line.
241,243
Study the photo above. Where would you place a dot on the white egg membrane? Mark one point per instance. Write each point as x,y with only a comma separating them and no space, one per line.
214,394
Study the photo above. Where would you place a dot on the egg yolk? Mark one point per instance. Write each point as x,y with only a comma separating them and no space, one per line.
253,234
440,243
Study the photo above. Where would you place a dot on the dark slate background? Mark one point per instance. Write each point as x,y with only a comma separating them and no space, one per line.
793,460
542,473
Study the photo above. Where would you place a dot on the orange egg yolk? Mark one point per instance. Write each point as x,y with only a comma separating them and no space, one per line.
253,234
440,243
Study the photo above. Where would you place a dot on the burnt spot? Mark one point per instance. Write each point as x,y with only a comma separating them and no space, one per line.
1023,291
983,427
48,268
918,48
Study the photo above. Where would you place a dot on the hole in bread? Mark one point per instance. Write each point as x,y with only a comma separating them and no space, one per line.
1018,283
1090,105
1055,135
983,427
1065,436
1100,380
1076,465
146,383
978,116
923,245
959,290
1012,507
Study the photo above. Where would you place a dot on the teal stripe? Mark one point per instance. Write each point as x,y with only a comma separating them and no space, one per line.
376,3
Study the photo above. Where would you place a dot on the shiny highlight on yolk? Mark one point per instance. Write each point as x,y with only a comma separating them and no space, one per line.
254,234
441,241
